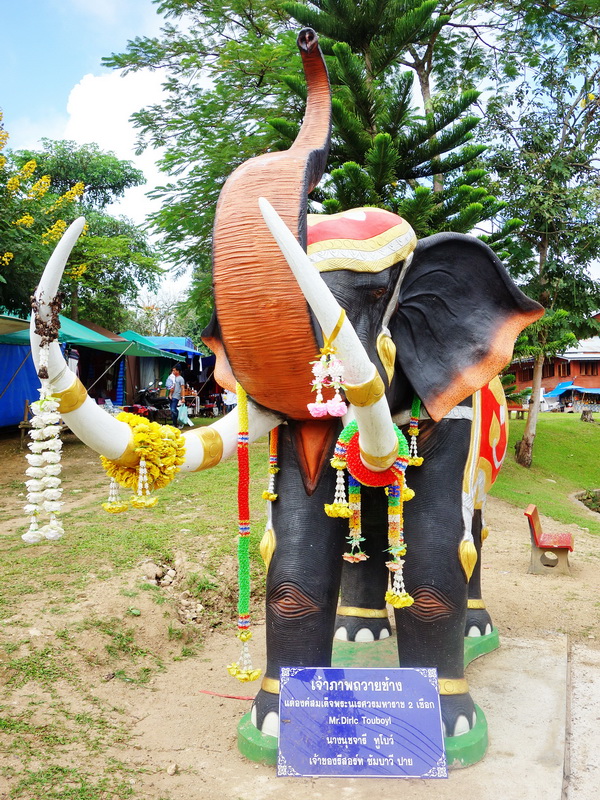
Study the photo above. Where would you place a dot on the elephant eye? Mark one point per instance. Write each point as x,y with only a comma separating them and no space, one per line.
377,294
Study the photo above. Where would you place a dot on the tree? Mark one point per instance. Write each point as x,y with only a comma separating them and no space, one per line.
106,269
230,95
32,220
545,136
104,176
108,264
418,161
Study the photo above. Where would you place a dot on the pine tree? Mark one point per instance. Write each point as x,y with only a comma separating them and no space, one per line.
414,158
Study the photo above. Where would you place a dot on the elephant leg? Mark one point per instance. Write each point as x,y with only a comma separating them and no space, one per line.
431,631
362,614
303,581
479,622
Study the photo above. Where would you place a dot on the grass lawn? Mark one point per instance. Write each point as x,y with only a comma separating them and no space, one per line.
566,459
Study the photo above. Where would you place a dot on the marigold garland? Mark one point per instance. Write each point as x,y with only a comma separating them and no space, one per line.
162,451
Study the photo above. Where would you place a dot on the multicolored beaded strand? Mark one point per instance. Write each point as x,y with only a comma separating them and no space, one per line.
242,670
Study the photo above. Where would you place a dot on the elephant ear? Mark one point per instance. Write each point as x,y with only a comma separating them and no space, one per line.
458,316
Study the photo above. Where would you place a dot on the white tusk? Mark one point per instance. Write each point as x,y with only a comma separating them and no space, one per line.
50,280
376,432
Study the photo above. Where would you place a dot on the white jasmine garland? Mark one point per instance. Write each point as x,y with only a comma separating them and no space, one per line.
52,506
37,447
52,458
51,431
43,487
32,536
53,469
35,472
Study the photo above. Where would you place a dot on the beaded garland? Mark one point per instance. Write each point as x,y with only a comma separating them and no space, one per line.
243,670
347,456
161,449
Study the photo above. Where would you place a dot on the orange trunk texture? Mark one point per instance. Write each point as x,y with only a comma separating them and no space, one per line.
265,323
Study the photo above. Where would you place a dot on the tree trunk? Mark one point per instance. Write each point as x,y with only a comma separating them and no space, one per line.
586,415
524,447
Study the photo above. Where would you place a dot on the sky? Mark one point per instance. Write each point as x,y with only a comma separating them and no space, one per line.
53,84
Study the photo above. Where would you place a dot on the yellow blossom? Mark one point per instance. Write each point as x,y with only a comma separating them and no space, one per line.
3,138
68,197
77,272
12,184
28,169
2,162
26,221
6,258
39,188
54,233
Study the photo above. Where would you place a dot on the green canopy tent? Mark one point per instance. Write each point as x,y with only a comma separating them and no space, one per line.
18,380
74,334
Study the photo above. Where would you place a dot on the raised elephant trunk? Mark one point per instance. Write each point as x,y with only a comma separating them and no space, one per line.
265,325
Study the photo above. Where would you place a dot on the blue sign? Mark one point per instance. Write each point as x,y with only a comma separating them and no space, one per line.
383,723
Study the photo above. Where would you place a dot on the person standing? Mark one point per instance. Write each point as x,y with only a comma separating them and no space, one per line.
170,380
175,393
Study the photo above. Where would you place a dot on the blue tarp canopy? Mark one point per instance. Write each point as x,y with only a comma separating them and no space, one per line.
18,379
565,386
18,382
175,344
562,388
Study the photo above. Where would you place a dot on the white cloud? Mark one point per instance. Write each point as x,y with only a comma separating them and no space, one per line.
99,108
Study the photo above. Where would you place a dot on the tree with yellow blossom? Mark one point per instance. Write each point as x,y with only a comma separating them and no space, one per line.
40,194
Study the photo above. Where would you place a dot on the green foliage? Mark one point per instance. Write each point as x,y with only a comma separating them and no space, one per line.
234,89
108,264
106,269
104,175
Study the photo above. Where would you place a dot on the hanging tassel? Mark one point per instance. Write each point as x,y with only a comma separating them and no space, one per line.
415,460
242,670
143,499
355,536
269,494
347,456
114,504
397,597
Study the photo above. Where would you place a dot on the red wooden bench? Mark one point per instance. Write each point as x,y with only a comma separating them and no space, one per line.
549,551
519,411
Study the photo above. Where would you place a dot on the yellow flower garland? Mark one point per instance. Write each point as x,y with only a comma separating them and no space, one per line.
161,446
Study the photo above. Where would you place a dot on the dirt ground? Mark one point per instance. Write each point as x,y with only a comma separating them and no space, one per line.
174,735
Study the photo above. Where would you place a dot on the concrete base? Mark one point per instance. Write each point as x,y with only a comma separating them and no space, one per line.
523,688
461,751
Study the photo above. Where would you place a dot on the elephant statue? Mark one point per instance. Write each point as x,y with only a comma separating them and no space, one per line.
433,320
